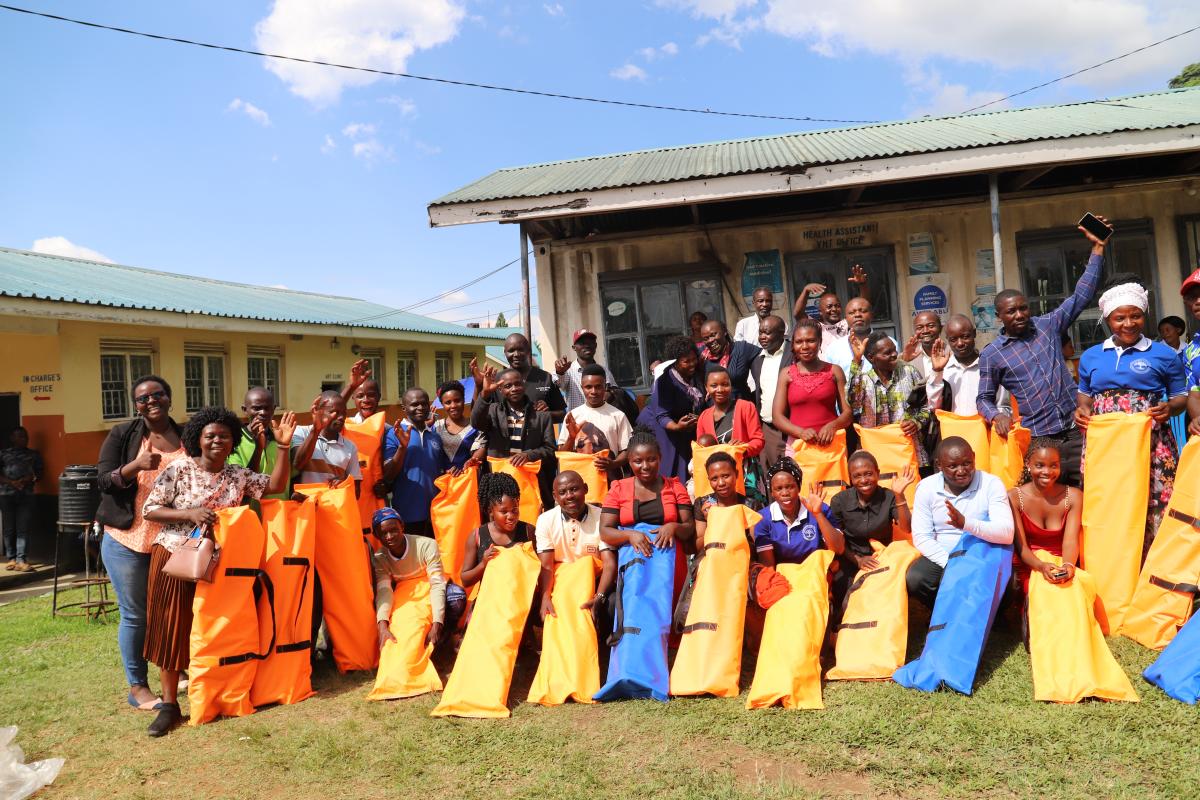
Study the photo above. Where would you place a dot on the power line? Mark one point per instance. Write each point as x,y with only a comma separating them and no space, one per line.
435,298
506,313
428,78
1081,71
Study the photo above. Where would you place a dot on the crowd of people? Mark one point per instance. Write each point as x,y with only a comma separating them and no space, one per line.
775,383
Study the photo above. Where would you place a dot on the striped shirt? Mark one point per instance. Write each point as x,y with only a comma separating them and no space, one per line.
1032,367
516,430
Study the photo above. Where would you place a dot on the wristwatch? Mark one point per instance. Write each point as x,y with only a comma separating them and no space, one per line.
600,598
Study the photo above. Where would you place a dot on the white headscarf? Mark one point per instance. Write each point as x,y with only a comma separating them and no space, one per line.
1123,294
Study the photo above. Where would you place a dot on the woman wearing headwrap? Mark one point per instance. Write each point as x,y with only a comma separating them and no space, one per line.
405,556
1128,372
675,401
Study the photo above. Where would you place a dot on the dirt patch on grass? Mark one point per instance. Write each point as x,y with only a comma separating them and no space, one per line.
757,772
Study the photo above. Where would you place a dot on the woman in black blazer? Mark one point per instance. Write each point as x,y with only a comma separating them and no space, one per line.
130,459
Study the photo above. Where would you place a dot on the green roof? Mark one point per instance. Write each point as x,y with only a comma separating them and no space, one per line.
1155,110
73,280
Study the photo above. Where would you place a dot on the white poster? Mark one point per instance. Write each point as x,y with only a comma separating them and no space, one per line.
922,257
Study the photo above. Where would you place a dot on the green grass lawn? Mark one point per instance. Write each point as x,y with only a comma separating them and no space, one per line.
61,682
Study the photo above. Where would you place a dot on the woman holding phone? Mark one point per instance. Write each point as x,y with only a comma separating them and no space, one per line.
672,410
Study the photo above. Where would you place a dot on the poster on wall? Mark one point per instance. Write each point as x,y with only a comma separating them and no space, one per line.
985,272
763,268
983,314
930,293
922,257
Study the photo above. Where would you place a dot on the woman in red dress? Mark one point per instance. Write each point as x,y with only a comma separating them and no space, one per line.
810,398
1048,516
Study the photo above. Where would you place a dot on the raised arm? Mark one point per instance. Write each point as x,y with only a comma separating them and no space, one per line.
1073,306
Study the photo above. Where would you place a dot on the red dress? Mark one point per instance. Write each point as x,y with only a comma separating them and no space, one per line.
1038,538
812,397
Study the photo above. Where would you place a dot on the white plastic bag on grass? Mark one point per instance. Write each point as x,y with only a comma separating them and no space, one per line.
17,779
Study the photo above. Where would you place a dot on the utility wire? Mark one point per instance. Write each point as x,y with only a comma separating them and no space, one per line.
1081,71
429,78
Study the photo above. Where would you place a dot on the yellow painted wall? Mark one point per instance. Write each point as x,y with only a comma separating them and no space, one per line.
58,360
568,285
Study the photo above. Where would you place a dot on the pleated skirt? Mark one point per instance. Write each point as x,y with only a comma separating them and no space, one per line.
168,615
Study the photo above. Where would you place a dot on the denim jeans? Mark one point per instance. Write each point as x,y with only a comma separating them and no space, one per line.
16,516
128,570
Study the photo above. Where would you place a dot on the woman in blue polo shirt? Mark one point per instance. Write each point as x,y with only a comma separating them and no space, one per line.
1128,372
793,526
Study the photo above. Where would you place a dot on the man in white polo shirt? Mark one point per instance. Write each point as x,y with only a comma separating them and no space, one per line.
568,532
959,499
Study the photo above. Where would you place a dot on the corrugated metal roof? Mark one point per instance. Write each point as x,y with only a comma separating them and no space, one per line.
73,280
1151,111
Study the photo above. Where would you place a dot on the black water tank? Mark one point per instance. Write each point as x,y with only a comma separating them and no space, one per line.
78,493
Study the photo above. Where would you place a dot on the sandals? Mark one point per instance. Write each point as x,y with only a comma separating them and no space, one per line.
150,705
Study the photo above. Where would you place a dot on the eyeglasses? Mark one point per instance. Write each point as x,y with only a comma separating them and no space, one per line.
143,399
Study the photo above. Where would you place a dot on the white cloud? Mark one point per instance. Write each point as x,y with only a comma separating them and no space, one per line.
426,148
629,72
329,145
1049,36
381,34
939,98
652,53
407,107
371,150
554,9
62,246
358,130
250,110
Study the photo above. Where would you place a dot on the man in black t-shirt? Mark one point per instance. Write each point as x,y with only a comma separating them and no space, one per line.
540,386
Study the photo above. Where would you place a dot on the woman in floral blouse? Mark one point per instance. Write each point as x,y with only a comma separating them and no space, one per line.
886,391
186,497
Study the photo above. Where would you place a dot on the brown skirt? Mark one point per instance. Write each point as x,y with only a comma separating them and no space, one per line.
168,615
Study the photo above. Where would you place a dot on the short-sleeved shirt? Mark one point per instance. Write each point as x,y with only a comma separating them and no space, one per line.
860,523
620,501
424,460
791,543
604,428
569,384
569,539
243,454
331,458
1191,362
184,485
1147,366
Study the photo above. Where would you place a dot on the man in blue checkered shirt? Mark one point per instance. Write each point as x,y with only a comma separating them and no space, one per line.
1026,359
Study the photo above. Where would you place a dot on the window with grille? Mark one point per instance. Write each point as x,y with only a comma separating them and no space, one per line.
203,380
374,357
121,363
406,371
441,367
1052,262
263,368
465,360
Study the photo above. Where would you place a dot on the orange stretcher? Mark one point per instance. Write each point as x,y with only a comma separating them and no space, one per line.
284,676
570,665
405,665
368,439
700,474
823,467
596,480
872,639
973,429
526,477
344,567
224,644
454,514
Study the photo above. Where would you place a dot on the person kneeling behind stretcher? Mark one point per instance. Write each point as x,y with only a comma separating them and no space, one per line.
566,533
403,557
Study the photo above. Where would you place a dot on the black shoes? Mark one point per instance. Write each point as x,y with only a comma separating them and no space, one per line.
168,719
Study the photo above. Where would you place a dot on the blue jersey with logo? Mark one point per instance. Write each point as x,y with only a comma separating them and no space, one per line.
1147,366
791,543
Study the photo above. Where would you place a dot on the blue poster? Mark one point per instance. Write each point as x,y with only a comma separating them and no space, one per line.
763,268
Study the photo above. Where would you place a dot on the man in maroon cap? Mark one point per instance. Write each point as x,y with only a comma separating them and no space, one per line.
1191,354
583,342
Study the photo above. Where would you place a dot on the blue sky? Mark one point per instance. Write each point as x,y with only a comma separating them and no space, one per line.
207,163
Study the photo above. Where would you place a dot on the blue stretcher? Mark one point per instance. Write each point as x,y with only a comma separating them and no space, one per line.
973,583
637,668
1177,670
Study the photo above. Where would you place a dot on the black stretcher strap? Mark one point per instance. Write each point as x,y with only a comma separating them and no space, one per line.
853,626
714,546
294,647
957,554
858,582
264,580
1186,588
1185,518
835,482
933,628
634,631
297,561
883,476
700,626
